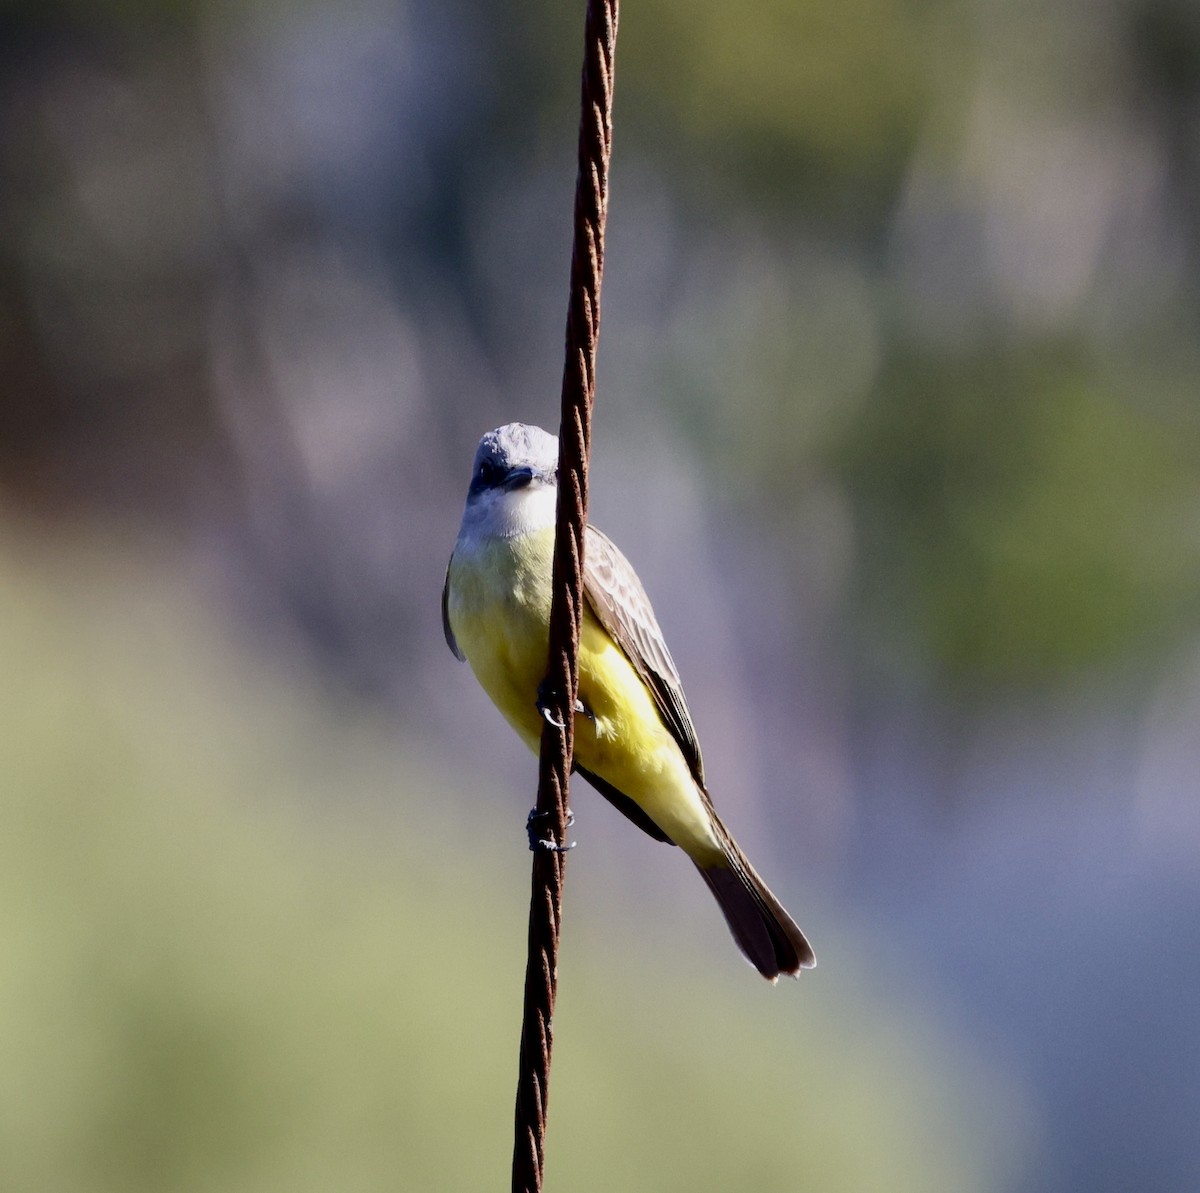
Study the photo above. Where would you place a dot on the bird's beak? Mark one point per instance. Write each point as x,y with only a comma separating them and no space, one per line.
518,478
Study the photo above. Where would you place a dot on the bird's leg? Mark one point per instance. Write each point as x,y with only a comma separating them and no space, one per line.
533,826
546,701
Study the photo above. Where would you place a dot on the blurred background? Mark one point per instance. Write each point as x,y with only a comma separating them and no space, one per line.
898,420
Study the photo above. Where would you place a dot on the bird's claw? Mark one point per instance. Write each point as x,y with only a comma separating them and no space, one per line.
533,825
546,701
549,717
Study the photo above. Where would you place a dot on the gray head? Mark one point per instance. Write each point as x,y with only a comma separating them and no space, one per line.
513,482
514,456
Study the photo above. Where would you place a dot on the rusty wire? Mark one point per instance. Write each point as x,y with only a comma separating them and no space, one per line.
562,679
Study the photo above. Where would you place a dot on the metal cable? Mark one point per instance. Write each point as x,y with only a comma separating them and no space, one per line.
562,679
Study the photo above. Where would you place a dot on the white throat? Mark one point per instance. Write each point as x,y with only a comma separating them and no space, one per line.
496,513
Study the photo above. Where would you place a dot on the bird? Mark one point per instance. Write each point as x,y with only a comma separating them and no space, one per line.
635,742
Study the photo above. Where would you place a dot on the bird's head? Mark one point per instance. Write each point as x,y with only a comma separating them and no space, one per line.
514,482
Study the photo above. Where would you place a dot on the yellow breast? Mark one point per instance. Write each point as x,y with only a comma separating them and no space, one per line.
499,608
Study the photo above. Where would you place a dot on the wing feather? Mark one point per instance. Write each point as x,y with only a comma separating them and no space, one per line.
619,602
451,641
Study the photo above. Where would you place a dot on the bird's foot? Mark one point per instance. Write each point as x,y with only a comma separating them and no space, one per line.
534,827
545,705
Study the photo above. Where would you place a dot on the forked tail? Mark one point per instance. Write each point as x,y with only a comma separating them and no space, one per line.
762,928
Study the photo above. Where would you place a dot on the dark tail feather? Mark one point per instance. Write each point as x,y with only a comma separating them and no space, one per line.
764,931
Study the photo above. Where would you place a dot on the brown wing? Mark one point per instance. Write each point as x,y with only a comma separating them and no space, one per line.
620,604
451,641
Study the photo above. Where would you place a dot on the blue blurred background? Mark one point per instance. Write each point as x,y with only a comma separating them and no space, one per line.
897,419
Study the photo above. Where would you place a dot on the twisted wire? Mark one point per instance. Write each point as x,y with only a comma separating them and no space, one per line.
574,445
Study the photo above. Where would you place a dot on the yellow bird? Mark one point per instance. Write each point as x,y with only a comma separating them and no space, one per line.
634,738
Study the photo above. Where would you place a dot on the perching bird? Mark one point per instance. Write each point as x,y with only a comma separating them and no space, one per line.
634,738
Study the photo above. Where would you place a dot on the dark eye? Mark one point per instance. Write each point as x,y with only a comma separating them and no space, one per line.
488,473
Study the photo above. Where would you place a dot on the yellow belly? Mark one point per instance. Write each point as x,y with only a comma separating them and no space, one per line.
499,606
